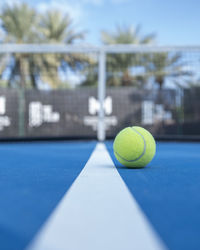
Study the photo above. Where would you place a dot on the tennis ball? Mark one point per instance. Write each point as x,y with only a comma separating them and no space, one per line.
134,147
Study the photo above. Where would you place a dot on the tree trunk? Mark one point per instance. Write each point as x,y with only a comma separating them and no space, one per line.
126,79
22,73
160,81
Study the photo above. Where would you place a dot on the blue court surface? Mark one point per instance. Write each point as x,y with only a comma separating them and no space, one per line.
50,188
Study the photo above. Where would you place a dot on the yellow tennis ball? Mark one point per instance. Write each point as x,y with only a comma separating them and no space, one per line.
134,147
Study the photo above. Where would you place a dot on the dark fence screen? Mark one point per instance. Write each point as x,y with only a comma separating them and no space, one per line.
58,113
191,104
9,113
73,113
155,110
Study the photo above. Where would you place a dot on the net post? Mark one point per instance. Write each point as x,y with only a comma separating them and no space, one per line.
101,95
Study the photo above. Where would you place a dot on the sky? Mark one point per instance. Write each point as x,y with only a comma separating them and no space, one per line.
175,22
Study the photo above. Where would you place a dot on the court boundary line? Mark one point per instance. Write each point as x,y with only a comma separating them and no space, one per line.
98,212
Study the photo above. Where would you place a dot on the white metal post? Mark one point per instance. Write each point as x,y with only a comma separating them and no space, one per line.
101,135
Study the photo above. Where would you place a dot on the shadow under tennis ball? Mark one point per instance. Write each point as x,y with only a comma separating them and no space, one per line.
123,167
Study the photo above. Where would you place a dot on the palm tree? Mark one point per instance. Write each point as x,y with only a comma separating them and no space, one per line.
19,23
164,66
120,65
22,24
56,28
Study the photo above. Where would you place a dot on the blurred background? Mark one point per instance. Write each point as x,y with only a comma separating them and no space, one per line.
54,94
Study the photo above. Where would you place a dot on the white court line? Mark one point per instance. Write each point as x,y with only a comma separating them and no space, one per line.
97,213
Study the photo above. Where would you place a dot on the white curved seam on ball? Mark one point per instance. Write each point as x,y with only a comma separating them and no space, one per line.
142,152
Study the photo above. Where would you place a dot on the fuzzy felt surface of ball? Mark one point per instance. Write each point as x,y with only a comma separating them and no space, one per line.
134,147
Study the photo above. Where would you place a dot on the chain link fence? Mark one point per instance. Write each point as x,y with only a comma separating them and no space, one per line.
49,91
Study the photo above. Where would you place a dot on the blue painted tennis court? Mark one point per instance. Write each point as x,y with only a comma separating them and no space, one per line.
75,195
